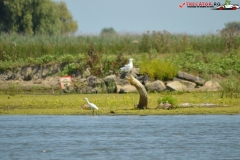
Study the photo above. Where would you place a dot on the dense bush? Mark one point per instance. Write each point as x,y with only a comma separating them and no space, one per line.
158,69
170,99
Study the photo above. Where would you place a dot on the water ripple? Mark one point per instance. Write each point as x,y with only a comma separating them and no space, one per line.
119,137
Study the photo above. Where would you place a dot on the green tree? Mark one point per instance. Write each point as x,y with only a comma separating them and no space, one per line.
108,31
233,26
35,17
230,34
68,24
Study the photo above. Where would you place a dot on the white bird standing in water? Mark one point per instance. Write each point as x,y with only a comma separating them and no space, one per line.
127,67
92,106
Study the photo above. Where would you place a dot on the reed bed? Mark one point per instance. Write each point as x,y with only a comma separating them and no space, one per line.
206,55
15,47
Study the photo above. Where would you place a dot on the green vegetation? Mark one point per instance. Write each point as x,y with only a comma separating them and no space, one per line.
158,54
120,104
104,55
209,64
231,88
158,69
108,32
205,54
169,98
33,17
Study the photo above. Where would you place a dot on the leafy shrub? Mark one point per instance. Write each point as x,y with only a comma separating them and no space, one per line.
66,58
158,69
169,99
107,63
211,63
69,69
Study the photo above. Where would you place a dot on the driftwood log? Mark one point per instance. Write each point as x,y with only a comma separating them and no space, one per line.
143,100
202,105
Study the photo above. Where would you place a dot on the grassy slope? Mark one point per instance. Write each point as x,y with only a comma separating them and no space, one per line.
120,104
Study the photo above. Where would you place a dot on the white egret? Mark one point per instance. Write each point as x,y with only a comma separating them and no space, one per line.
127,67
92,106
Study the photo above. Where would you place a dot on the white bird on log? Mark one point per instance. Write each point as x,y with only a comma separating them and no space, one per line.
127,67
92,106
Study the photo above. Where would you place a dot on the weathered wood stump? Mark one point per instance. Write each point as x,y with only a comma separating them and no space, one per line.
143,100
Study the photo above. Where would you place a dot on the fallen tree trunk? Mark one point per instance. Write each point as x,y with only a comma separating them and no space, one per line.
143,100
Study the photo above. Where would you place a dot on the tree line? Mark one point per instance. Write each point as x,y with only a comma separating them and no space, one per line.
46,17
32,17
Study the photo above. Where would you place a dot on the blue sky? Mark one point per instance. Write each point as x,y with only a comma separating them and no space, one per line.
139,16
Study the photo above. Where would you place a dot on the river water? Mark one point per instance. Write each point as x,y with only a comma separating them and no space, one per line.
120,137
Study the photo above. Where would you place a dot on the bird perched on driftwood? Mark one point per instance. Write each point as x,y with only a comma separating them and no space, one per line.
128,67
92,106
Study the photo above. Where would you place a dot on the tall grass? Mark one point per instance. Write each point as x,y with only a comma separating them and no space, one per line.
13,47
202,54
19,46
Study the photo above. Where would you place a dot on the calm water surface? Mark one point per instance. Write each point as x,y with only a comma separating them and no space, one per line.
119,137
